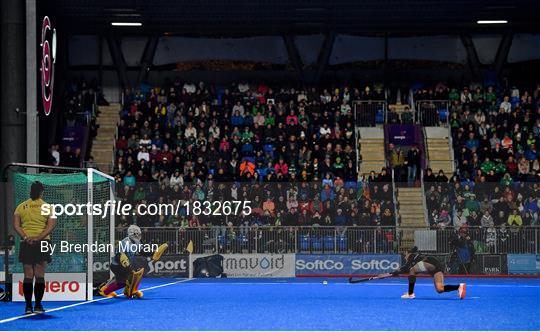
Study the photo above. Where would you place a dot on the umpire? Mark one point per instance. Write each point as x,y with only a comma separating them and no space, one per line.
33,227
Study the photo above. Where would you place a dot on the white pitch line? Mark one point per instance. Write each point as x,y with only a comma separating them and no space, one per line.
356,285
86,302
471,285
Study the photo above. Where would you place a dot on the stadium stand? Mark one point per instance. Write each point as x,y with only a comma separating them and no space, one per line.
302,159
76,125
494,136
293,152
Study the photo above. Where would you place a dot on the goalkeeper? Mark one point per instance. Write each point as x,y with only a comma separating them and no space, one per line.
122,266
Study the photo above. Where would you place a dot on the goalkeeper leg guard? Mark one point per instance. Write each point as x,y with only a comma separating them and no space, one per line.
132,283
109,289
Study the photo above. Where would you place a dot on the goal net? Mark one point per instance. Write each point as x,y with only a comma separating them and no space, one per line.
75,268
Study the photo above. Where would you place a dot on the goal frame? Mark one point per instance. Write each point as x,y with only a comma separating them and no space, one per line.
89,171
90,258
90,266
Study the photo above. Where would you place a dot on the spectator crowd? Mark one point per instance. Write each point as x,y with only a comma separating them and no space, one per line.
495,135
76,110
290,152
293,154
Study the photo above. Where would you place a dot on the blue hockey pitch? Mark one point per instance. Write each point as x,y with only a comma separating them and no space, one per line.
295,304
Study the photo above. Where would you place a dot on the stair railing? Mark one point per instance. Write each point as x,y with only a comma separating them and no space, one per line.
424,200
412,104
385,114
426,147
358,159
450,139
394,198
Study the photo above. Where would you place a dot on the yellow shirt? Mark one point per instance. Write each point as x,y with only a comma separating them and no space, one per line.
515,219
32,221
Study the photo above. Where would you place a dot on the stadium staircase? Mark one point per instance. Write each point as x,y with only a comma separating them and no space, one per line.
439,150
104,142
411,211
371,149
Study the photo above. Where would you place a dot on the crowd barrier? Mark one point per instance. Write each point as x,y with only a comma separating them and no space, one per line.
523,264
62,286
432,112
253,252
255,265
345,265
70,286
58,287
368,113
275,239
302,265
339,239
496,240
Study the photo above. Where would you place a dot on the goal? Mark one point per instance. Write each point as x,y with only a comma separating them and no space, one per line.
73,272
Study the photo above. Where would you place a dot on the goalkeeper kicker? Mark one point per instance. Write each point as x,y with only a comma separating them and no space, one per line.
125,276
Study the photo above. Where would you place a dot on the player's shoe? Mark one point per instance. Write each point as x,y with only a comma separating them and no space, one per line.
38,308
138,294
462,290
28,310
408,296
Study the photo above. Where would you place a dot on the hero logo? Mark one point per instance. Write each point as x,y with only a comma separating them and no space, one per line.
167,266
48,58
56,287
319,264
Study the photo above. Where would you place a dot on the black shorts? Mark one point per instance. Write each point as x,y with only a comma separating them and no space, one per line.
120,273
435,262
32,254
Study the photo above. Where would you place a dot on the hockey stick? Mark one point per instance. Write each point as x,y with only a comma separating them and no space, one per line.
380,276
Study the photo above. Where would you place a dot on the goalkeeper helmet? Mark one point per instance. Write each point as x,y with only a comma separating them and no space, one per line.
134,233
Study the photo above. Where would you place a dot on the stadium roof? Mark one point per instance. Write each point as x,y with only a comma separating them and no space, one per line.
244,17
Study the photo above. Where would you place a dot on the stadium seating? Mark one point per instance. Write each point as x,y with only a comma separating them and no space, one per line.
494,139
297,145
